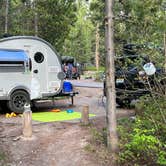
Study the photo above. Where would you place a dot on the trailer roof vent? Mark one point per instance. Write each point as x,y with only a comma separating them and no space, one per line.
39,57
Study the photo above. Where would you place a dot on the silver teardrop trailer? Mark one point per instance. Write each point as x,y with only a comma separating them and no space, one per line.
30,69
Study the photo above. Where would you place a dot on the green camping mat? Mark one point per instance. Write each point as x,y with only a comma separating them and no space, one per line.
56,116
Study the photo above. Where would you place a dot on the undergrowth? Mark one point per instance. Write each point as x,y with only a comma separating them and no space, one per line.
144,143
97,146
142,140
2,158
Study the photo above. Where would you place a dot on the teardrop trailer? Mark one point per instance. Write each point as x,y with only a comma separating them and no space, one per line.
30,70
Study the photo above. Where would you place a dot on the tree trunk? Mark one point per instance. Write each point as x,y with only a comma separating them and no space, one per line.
165,50
112,138
36,24
165,57
97,47
35,18
6,16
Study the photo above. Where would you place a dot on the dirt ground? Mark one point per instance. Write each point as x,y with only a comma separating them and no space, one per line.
55,143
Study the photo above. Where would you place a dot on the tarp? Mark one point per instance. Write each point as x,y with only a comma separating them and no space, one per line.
13,55
56,116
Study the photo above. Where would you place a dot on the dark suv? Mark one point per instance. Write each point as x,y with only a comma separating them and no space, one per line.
131,81
74,71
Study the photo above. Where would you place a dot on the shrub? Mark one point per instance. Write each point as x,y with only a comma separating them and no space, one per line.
162,158
145,144
152,113
99,76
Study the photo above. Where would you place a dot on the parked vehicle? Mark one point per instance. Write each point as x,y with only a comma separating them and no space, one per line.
70,67
30,69
131,79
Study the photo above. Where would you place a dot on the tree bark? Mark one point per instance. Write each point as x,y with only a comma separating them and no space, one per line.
165,57
36,19
36,24
97,47
112,137
165,50
6,16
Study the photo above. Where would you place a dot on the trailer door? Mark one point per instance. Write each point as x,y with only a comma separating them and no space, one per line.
39,68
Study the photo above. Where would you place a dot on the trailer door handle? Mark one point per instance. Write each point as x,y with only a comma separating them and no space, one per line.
35,71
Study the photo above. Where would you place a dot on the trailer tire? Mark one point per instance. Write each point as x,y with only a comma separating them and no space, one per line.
17,101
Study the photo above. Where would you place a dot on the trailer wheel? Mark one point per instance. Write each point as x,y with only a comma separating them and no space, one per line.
17,101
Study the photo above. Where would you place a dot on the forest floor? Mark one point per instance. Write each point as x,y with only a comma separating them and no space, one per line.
55,143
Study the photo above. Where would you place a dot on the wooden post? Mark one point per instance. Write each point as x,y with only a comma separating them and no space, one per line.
27,122
85,115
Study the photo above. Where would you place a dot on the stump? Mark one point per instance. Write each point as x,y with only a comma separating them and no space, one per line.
27,122
85,115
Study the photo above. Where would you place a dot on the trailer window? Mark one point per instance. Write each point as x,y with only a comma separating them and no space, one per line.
13,61
12,66
39,57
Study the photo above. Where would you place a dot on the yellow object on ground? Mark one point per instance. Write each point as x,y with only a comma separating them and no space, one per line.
58,116
10,115
7,115
13,114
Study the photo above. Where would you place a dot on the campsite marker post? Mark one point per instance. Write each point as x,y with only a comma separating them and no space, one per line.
27,122
85,115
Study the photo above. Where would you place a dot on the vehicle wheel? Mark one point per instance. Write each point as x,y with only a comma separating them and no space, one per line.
120,103
17,101
125,103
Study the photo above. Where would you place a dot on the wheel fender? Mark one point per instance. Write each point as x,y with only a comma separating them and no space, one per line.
24,88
